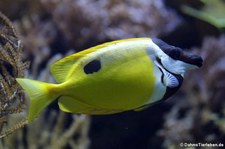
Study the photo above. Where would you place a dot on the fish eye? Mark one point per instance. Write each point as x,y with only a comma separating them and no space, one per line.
93,66
175,54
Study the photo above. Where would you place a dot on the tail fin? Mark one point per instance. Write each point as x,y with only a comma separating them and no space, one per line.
40,95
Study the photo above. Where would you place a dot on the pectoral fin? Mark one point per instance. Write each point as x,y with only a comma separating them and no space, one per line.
170,80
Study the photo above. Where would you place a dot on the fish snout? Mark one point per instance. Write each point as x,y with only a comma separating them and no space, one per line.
192,59
196,60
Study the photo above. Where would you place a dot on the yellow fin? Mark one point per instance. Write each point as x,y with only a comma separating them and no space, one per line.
61,68
71,105
39,94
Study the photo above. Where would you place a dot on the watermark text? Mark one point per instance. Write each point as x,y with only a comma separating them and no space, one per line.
201,144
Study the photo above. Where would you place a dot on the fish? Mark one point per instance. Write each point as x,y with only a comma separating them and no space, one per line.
113,77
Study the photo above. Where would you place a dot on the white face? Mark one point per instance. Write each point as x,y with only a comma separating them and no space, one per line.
174,59
175,66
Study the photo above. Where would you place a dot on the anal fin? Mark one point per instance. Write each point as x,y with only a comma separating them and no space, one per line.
71,105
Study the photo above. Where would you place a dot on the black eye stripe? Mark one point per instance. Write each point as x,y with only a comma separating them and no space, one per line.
177,53
92,67
193,59
166,48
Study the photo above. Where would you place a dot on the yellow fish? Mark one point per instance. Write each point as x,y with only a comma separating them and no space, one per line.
113,77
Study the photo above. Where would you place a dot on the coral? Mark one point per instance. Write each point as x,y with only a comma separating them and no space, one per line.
88,22
199,115
11,66
37,37
60,130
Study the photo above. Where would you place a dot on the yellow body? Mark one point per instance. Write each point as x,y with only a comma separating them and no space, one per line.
124,82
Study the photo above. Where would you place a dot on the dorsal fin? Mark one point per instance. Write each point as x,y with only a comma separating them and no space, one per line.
61,68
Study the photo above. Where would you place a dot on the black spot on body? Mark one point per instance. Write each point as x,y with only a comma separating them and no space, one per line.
93,66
